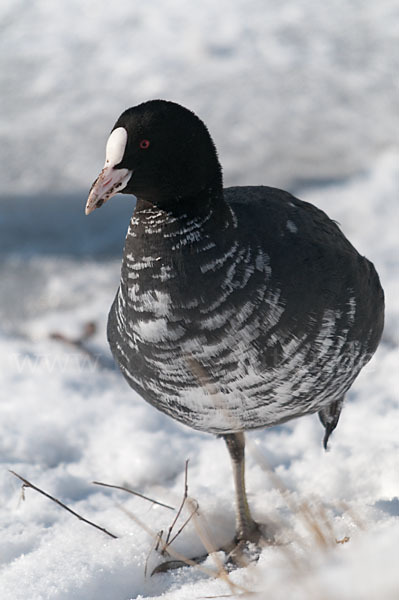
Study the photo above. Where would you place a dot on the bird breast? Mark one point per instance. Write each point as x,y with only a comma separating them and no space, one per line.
199,330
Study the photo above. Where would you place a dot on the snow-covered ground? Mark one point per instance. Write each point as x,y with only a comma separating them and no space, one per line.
297,95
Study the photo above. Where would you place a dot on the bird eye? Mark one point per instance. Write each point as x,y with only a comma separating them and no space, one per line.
144,144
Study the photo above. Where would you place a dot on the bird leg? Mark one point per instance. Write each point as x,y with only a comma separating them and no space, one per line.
247,530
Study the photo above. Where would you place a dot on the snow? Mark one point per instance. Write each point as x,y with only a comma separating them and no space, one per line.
297,95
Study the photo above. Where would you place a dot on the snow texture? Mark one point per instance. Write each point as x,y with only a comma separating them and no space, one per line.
298,95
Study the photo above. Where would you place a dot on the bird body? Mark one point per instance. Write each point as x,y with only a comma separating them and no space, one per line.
262,291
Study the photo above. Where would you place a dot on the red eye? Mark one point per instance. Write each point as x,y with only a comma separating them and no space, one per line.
144,144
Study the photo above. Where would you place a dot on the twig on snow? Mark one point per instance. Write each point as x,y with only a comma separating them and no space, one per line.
28,484
89,329
129,491
180,507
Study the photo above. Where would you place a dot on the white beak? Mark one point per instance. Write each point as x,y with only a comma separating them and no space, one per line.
108,183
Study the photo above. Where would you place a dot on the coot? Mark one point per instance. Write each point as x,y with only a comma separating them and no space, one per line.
238,308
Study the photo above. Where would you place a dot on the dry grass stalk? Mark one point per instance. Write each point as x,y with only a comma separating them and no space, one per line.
89,329
344,540
100,360
129,491
28,484
180,509
154,547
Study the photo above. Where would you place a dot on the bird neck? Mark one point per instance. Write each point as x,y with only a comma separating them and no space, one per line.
187,226
179,204
176,209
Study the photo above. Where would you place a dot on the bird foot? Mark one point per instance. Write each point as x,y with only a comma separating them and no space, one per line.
239,553
170,565
242,554
244,548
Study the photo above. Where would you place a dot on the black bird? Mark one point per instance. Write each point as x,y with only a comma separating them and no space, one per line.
238,308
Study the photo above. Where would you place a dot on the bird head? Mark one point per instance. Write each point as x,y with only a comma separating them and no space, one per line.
159,152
